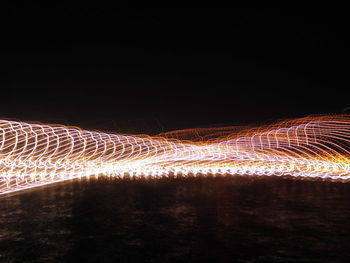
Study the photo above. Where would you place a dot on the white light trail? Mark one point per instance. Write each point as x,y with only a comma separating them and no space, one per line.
32,155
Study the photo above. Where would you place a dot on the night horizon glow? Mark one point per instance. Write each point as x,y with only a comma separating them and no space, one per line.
33,155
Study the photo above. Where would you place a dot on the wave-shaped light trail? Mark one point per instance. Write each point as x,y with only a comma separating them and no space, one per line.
36,154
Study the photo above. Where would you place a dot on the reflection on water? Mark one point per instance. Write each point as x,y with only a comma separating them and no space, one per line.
239,219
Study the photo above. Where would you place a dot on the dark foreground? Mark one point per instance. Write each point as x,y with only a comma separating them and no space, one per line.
237,219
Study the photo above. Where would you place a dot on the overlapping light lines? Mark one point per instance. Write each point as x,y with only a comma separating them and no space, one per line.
36,154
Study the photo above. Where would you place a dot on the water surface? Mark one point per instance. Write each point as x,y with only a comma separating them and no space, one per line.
233,219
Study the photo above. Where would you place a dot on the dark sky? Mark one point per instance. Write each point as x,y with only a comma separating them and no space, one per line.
154,70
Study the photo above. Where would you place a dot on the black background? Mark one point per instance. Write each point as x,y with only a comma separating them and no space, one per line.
154,70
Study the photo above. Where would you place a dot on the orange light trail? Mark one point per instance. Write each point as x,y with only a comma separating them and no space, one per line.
32,155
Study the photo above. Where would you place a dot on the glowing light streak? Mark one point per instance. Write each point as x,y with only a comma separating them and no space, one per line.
36,154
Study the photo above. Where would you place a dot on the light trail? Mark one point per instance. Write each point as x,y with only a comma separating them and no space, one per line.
32,155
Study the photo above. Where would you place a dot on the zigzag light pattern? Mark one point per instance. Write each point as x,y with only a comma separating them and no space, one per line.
32,155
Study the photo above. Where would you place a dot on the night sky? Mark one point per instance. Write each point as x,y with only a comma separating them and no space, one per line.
155,70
